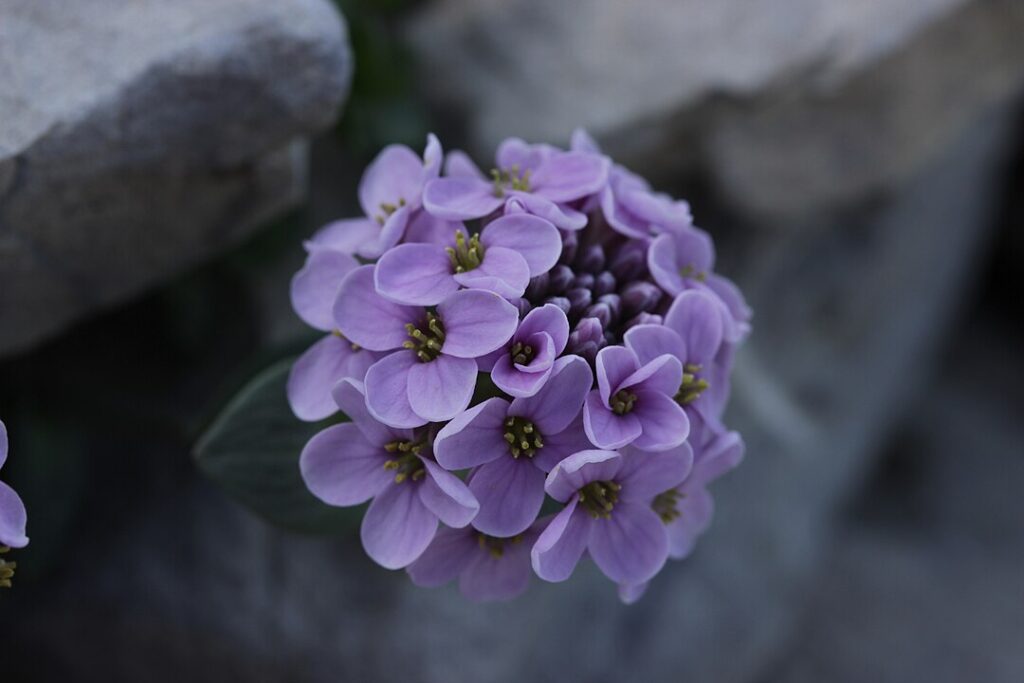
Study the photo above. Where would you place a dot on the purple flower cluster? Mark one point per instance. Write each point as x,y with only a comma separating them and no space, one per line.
12,519
537,359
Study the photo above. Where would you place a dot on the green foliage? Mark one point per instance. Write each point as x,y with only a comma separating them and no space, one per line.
252,451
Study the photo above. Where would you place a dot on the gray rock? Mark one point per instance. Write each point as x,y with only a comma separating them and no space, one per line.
139,138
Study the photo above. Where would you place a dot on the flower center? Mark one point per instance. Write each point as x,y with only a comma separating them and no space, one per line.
339,335
692,386
600,497
6,569
467,254
386,209
427,339
496,546
521,353
692,272
510,179
665,504
406,462
623,402
522,437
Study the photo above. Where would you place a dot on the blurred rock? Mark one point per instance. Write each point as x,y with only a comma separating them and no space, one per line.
139,139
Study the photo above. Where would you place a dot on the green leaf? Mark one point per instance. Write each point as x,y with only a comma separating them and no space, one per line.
252,451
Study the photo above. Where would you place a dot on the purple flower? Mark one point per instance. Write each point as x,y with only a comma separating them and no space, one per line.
628,203
692,333
501,259
523,366
350,463
513,445
488,568
608,513
314,374
432,378
538,179
633,402
686,509
685,259
12,515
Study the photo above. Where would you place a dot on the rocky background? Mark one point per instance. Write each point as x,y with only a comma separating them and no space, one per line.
861,166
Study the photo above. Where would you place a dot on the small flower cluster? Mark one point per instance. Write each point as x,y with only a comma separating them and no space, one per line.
12,519
537,358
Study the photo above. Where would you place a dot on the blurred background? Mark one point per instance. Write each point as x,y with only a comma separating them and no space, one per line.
860,165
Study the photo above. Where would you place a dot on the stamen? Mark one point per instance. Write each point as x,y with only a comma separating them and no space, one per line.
600,497
427,344
496,546
666,505
510,179
386,209
522,437
6,569
467,254
690,271
407,465
623,401
692,386
521,353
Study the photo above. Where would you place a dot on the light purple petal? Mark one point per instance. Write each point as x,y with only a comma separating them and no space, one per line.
697,317
433,156
559,446
349,396
604,428
547,318
644,475
629,594
695,513
12,518
664,422
430,230
394,176
614,364
516,152
476,323
3,443
560,216
447,496
387,392
397,527
651,341
559,401
513,381
664,267
558,550
579,469
536,239
340,467
631,545
738,323
448,555
473,437
460,198
441,389
543,353
510,491
459,164
314,288
498,578
314,375
348,235
582,141
415,274
570,175
367,318
664,374
724,453
694,250
502,271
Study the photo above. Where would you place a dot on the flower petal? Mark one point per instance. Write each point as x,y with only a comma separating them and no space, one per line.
698,319
513,381
614,364
476,322
558,550
559,401
441,389
447,496
498,578
631,545
460,198
664,374
348,235
314,375
340,467
579,469
350,397
3,443
415,274
661,261
367,318
393,178
721,455
473,437
629,594
560,216
664,422
738,324
387,390
315,287
547,318
651,341
644,475
502,271
536,239
12,517
459,164
604,428
510,491
570,175
447,556
397,527
559,446
695,513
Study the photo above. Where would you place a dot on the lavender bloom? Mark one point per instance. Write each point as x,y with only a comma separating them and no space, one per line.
633,402
536,179
523,366
431,378
501,259
313,291
487,568
608,513
685,259
628,203
350,463
513,445
12,519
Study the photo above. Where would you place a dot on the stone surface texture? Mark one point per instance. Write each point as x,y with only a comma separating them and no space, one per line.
139,138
